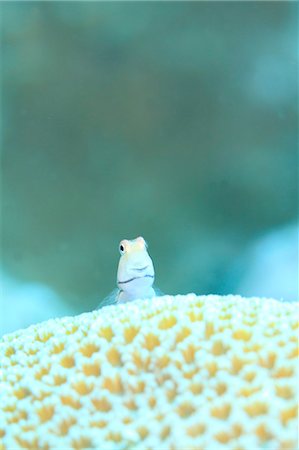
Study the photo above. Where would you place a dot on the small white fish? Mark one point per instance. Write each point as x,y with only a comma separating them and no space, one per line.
135,274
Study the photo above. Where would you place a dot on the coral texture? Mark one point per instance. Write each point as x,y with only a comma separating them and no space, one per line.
182,372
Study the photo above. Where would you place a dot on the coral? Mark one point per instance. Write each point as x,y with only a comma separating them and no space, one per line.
182,372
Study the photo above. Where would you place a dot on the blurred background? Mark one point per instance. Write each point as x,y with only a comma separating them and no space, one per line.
176,121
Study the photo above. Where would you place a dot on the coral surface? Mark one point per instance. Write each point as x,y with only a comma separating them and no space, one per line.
182,372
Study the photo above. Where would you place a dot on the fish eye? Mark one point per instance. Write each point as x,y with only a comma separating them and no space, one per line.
124,246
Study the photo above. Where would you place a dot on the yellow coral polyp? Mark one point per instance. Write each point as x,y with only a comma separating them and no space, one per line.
182,372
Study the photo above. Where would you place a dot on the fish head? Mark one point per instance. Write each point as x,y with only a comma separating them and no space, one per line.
135,267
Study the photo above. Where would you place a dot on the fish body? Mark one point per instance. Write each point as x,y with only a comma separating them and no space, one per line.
135,274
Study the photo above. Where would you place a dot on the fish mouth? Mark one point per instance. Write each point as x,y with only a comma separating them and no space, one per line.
140,269
136,278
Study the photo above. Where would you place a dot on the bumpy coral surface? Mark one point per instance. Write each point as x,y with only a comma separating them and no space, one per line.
181,372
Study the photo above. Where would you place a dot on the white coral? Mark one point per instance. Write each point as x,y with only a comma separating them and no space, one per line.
172,372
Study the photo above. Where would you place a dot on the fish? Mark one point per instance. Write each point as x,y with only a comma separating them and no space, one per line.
135,274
